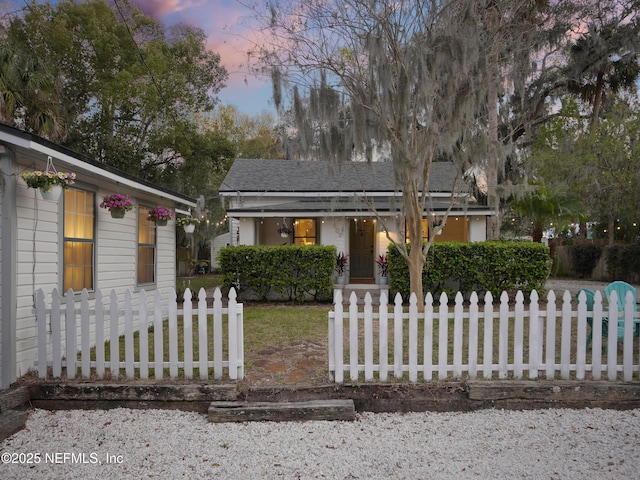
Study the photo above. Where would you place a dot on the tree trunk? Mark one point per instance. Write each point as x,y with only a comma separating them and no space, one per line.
491,171
413,215
611,230
536,234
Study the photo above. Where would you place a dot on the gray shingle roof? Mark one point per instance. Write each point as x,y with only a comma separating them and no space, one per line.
260,175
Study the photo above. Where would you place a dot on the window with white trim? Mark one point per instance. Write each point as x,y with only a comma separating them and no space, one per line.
79,239
146,248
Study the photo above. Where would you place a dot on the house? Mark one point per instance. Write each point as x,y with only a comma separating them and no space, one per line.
72,243
272,202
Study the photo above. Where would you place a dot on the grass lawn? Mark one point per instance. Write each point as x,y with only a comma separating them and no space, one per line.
197,282
267,325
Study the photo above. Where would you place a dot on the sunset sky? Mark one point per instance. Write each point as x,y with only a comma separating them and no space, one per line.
224,23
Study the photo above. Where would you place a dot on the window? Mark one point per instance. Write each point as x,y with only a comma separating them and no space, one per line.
79,239
146,248
456,230
425,231
304,231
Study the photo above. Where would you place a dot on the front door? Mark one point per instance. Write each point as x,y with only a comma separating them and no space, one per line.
361,241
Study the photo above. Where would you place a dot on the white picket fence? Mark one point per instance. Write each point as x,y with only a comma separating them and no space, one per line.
443,344
67,336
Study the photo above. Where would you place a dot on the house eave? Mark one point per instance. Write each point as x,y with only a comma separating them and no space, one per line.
325,194
32,143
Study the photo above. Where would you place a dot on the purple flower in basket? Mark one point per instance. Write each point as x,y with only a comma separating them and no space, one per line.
117,200
160,213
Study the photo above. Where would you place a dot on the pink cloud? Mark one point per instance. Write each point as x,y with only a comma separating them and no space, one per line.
224,22
160,8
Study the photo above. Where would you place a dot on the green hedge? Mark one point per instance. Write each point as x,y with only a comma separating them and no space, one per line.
585,258
291,272
623,262
479,267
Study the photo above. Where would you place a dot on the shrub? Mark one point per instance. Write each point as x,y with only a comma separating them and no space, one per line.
293,272
585,257
480,267
623,262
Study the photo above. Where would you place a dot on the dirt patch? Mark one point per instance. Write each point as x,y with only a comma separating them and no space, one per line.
300,361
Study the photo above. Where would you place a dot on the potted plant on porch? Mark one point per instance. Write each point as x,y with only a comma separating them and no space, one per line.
160,215
117,204
188,223
342,261
383,268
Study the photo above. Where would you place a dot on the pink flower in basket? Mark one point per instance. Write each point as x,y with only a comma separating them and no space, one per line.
117,200
160,213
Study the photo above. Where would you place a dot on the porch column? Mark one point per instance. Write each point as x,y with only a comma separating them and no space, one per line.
7,267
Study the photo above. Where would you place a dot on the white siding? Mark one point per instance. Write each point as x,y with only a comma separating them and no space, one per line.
334,231
478,229
39,259
38,254
247,231
218,242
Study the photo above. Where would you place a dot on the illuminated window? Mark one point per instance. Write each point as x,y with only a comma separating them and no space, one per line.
304,231
425,231
79,239
146,248
456,230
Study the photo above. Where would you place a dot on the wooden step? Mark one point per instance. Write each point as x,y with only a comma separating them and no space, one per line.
220,412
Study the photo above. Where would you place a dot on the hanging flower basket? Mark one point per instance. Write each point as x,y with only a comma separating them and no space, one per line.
160,215
52,194
117,204
188,223
50,183
284,231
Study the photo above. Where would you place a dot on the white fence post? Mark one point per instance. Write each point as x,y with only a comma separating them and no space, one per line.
428,337
71,334
487,351
233,345
217,334
443,336
100,369
551,336
398,352
503,342
473,336
534,346
114,350
143,329
338,336
128,335
41,319
90,334
457,337
173,335
85,327
203,338
187,328
383,345
413,338
627,349
368,338
596,337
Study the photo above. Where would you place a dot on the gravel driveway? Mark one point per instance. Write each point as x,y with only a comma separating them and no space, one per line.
134,444
490,444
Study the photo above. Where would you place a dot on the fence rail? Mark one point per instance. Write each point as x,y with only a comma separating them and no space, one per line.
155,341
498,340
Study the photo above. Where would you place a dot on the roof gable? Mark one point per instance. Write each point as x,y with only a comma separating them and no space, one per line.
263,175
